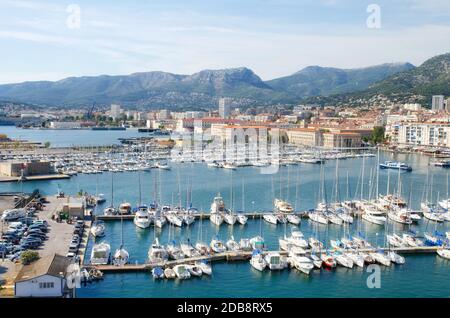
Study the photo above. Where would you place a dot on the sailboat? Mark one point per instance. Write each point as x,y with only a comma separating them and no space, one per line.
98,228
217,208
157,253
217,245
111,210
121,255
258,261
232,245
200,245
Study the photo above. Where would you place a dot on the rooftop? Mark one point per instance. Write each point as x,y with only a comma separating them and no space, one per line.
54,265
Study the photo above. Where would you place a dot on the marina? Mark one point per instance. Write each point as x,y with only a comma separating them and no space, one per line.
301,190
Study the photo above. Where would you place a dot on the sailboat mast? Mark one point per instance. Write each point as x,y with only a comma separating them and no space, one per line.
378,174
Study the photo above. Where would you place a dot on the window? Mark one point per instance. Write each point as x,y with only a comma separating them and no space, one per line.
46,285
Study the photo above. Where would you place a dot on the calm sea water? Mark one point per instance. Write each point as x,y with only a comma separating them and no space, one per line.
67,138
421,276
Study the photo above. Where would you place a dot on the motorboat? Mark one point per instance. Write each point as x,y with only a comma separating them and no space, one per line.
194,270
270,218
217,209
297,239
142,218
334,219
181,272
395,165
317,262
125,208
394,240
101,254
169,273
258,261
157,253
229,166
158,273
162,165
159,220
110,211
293,219
98,228
283,206
205,267
328,260
217,246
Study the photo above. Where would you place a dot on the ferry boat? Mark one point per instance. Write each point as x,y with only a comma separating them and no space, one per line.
395,165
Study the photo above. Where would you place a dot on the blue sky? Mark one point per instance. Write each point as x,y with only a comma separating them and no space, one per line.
272,37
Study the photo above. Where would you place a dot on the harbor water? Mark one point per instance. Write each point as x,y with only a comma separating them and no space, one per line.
247,189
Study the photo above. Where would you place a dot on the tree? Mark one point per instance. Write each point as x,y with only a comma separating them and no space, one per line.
47,144
28,257
377,135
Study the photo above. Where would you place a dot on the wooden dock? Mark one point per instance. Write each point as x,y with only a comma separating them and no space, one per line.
233,256
205,215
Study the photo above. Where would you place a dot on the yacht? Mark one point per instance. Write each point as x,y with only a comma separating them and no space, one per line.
217,209
271,218
301,262
444,253
257,243
162,165
356,258
98,228
121,256
229,166
125,208
189,250
100,254
217,246
283,206
315,244
344,260
232,245
293,219
334,219
318,217
328,260
241,218
174,251
205,267
181,272
258,261
174,219
202,248
111,210
157,253
169,273
229,217
374,218
297,239
411,240
396,258
194,270
431,213
400,216
381,258
142,217
317,262
395,165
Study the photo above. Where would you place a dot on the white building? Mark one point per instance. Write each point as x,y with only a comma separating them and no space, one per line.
224,107
64,125
412,107
437,102
116,111
45,277
424,134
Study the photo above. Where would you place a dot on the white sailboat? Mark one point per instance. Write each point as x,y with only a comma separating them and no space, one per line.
217,246
232,245
157,253
217,208
270,218
98,228
258,261
121,255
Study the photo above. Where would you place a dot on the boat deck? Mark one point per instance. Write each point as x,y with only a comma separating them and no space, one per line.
237,256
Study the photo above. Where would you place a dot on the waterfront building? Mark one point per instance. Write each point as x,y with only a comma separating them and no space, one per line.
45,277
224,107
309,137
424,134
65,125
335,140
30,168
437,102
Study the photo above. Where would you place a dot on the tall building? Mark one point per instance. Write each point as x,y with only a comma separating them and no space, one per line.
115,110
437,102
224,107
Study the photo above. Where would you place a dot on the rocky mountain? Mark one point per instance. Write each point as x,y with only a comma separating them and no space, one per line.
199,90
316,80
